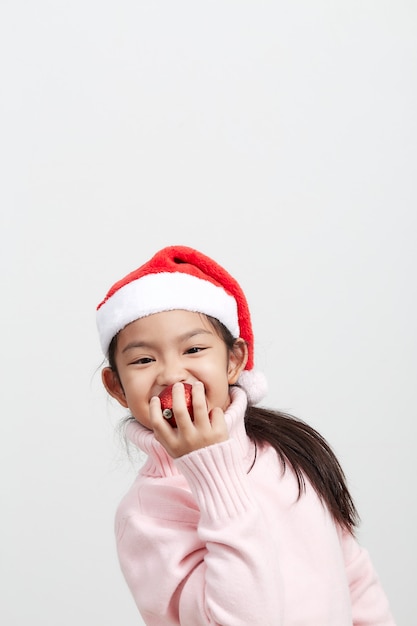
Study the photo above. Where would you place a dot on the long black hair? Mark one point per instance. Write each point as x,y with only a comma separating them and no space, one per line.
308,454
296,444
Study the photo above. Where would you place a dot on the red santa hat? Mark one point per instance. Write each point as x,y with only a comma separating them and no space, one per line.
178,277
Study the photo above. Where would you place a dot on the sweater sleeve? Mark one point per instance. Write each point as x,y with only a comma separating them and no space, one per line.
369,603
205,557
239,582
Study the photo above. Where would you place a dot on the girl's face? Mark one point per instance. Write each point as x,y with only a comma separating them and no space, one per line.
164,348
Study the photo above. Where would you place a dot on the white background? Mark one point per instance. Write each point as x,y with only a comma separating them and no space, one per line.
277,137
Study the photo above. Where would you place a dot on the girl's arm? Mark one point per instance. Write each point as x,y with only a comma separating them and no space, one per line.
200,558
239,581
369,603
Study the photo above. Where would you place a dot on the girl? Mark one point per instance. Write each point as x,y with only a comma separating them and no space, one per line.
240,515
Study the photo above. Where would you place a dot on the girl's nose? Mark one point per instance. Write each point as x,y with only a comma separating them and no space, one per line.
170,373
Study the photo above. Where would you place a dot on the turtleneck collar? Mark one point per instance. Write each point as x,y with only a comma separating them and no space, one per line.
159,463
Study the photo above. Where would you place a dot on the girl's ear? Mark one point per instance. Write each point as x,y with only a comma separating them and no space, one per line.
238,358
113,385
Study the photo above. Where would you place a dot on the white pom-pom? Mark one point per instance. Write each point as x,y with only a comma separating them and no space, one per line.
255,385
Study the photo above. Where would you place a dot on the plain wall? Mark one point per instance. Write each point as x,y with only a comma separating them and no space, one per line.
277,137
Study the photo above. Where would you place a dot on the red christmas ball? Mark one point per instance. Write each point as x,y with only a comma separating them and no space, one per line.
166,403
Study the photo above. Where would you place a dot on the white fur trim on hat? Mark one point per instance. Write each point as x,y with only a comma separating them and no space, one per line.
164,291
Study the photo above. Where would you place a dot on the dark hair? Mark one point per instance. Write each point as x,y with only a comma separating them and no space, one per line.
111,355
296,444
303,448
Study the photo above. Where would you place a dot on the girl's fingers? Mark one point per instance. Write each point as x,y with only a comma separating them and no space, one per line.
159,424
200,411
188,435
218,425
179,407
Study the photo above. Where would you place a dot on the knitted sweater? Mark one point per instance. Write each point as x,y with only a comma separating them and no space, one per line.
203,540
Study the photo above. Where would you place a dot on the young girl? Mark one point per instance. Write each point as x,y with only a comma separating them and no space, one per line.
240,515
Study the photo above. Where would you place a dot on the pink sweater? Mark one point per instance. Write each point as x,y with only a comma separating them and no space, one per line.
203,541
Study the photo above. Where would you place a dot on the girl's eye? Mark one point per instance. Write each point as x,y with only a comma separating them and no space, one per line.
142,361
194,350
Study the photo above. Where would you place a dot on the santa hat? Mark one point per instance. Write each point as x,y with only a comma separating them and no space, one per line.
179,277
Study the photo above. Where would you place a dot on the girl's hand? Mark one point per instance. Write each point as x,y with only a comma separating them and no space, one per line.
205,430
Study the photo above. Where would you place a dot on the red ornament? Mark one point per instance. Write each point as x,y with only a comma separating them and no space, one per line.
166,403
